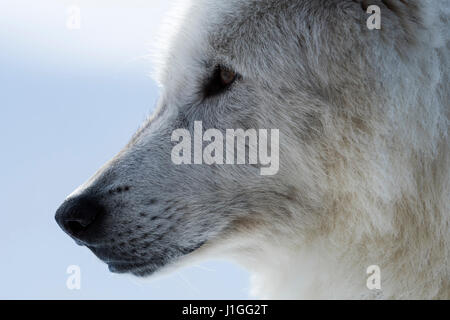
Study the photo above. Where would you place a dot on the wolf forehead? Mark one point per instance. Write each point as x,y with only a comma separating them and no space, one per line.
243,33
274,38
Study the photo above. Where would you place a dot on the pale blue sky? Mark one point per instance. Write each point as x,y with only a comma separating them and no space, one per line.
70,100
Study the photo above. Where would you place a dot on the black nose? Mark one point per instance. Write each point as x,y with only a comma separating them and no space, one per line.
76,216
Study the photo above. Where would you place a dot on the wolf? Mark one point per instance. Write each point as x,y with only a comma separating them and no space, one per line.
364,152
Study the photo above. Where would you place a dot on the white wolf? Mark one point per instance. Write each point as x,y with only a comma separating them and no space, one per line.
364,178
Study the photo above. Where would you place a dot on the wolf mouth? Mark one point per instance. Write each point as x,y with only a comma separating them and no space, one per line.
138,269
118,264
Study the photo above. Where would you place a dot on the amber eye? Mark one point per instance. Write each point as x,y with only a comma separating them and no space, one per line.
219,81
227,76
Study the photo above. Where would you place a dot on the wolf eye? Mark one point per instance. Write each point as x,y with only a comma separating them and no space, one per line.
220,80
227,76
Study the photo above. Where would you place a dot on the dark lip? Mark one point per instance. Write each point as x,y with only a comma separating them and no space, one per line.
120,265
138,269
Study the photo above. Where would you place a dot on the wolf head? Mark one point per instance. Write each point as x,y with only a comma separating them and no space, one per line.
311,69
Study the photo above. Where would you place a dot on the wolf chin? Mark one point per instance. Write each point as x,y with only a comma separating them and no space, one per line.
364,179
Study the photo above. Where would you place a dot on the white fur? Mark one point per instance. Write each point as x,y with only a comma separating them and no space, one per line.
364,175
385,194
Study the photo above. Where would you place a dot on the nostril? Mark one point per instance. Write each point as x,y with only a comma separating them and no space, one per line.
75,226
77,215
